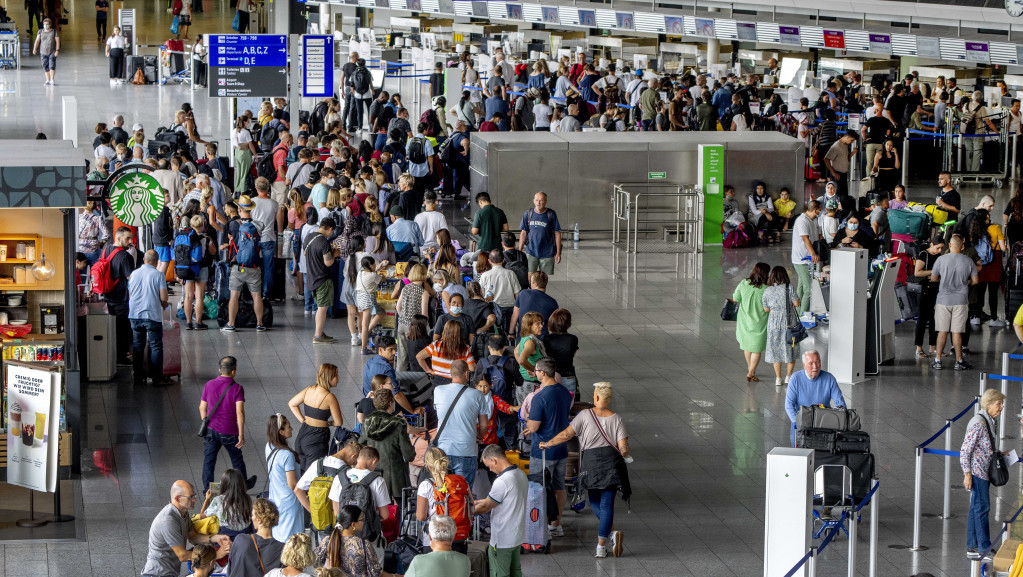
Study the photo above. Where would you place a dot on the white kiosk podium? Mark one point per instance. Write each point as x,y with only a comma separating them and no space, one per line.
847,326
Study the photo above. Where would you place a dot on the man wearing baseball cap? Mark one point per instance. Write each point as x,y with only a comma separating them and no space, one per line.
243,255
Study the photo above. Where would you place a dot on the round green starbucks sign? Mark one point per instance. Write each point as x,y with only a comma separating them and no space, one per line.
137,199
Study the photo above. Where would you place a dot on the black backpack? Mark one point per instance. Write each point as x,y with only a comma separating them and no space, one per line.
520,267
265,166
268,136
360,495
417,150
361,80
444,150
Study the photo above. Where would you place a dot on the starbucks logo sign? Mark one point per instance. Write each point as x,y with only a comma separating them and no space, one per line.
137,199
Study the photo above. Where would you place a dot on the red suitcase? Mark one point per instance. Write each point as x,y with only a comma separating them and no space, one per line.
813,169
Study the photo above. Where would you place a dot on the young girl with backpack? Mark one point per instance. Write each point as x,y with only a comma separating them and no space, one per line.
444,493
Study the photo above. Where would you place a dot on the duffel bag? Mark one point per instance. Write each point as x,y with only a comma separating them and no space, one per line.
820,417
938,215
908,222
852,442
816,439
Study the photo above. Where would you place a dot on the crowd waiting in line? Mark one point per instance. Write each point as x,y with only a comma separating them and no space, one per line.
480,360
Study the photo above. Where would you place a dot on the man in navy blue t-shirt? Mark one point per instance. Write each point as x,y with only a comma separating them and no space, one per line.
540,227
534,299
548,416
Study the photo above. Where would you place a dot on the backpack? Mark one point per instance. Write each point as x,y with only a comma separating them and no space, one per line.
103,281
177,8
613,94
246,251
361,80
453,500
417,150
969,125
498,382
265,166
429,116
444,150
268,136
321,509
360,495
521,269
984,252
741,237
188,254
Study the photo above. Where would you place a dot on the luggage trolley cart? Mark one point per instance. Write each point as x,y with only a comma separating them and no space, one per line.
10,48
993,147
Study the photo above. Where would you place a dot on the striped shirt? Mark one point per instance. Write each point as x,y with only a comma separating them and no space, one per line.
442,365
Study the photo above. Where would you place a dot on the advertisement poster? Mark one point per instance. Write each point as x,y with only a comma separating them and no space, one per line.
711,177
33,408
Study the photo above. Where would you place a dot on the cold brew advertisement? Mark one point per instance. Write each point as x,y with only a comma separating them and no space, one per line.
33,409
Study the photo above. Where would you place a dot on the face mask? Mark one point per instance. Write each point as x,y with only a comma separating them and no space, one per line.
437,287
456,310
853,226
46,26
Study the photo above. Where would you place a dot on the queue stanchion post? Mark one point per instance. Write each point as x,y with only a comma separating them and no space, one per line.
852,543
917,481
1005,392
812,563
980,391
947,492
873,533
905,159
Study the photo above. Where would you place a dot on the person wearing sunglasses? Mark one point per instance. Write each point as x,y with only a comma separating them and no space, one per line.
172,531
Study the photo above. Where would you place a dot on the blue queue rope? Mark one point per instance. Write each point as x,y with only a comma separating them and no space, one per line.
998,537
943,429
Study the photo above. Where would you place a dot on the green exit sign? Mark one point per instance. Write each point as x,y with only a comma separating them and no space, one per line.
657,175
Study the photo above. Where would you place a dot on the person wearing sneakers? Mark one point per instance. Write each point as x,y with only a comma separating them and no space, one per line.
955,273
604,446
319,257
47,46
243,254
506,504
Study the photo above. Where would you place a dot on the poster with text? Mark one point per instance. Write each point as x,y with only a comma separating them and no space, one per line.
33,409
711,177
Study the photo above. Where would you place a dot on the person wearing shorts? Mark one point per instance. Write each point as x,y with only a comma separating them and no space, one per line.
244,276
47,45
548,416
540,236
320,255
954,272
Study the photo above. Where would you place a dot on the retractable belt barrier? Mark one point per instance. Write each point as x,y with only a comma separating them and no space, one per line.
811,555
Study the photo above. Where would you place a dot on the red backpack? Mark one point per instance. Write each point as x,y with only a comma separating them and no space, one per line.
453,500
103,281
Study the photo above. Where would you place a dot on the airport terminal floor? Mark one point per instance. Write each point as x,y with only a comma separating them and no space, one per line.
699,433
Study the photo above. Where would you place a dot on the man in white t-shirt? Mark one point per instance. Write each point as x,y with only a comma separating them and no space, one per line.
610,80
804,234
346,457
506,504
430,221
366,464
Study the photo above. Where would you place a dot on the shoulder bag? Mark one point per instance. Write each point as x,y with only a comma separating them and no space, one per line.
997,471
258,556
447,416
269,469
730,312
593,415
205,425
793,334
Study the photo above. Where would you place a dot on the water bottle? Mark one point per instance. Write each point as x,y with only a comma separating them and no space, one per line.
575,234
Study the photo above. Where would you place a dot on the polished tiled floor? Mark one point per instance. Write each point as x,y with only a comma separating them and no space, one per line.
699,432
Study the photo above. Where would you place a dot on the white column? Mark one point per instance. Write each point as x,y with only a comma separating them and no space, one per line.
713,46
69,118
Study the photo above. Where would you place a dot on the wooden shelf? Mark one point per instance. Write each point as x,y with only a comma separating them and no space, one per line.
19,236
16,261
25,287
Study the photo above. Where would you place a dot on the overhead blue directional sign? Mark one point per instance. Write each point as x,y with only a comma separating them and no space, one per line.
317,66
248,65
248,50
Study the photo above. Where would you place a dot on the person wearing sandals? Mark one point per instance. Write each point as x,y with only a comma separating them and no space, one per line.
259,552
780,302
928,295
369,278
604,447
751,321
321,411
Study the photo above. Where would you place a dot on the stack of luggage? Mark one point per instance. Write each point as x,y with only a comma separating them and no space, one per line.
836,438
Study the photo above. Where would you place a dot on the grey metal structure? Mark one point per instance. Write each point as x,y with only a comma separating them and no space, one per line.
577,170
659,218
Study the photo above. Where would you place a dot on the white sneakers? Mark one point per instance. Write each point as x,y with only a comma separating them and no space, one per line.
997,323
617,541
556,530
777,382
601,552
356,340
975,321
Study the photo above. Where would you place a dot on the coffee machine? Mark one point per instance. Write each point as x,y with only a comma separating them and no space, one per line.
51,317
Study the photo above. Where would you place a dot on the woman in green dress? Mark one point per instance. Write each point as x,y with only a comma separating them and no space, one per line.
751,322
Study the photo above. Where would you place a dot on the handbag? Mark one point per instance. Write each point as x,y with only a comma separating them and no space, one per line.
730,311
205,425
174,25
997,471
793,334
265,494
236,24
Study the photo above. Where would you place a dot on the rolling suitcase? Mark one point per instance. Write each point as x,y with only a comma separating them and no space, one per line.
908,307
149,69
917,225
399,554
131,64
479,563
538,535
171,347
279,287
860,464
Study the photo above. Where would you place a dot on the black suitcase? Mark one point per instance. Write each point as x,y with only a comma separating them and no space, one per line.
860,464
852,442
817,439
221,281
246,317
1013,301
131,64
278,289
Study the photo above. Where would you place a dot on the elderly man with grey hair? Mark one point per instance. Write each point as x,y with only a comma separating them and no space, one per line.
147,297
442,561
811,386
